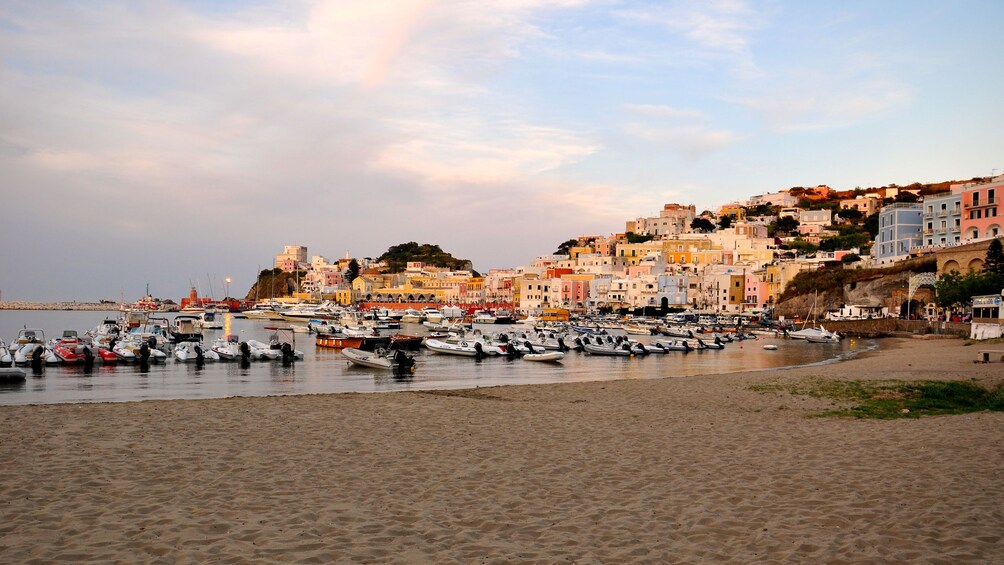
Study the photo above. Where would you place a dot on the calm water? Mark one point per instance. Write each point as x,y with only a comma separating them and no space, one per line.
325,371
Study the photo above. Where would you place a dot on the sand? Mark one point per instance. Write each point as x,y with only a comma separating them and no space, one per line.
696,469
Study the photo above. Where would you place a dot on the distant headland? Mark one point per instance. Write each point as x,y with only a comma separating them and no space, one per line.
18,305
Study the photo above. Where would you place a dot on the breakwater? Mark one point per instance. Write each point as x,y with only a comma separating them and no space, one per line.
18,305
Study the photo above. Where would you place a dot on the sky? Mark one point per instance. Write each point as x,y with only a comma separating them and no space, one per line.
179,142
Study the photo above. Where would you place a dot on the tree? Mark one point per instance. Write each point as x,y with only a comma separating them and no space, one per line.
702,225
352,273
852,214
802,247
903,196
994,262
850,258
725,222
566,246
872,225
785,225
635,238
955,289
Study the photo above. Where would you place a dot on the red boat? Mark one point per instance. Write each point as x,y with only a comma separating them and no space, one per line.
71,350
336,341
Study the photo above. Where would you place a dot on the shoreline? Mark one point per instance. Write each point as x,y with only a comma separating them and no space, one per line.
657,470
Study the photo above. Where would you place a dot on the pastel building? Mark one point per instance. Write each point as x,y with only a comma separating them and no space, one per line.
866,204
672,219
981,210
291,258
942,220
900,230
674,288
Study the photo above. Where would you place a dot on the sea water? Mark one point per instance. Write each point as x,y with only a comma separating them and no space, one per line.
326,371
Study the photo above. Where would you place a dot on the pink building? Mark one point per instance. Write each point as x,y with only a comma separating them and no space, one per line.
574,292
757,292
981,211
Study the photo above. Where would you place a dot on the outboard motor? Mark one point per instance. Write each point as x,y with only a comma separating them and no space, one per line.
199,357
36,358
144,353
245,350
561,345
88,356
287,353
718,340
529,347
402,362
641,348
510,351
153,342
479,352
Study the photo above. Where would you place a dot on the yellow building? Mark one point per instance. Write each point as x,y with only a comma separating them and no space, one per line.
633,253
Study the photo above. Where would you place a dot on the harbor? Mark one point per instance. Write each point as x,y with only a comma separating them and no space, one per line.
324,370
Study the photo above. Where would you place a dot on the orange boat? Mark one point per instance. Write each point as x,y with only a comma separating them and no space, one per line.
336,341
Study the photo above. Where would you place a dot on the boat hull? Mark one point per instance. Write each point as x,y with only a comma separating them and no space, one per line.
338,342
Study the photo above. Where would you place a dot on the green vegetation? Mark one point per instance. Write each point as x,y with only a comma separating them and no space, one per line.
702,225
397,257
566,246
850,236
897,399
825,280
783,226
635,238
352,271
955,289
802,247
850,258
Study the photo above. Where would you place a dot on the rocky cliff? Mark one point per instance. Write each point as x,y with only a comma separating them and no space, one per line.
889,290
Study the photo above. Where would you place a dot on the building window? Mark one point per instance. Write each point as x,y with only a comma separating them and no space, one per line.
990,196
976,199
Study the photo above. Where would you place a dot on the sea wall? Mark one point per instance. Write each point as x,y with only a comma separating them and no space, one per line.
17,305
894,327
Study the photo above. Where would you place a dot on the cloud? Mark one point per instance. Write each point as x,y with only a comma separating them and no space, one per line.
193,142
719,29
686,131
813,101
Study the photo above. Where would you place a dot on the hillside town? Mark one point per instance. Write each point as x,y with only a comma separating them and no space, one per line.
736,260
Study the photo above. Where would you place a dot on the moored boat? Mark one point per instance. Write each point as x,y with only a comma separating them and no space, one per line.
337,341
398,361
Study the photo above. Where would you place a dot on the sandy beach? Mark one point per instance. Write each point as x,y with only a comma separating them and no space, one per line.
696,469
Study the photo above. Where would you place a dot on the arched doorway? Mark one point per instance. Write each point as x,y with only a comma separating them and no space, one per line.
910,309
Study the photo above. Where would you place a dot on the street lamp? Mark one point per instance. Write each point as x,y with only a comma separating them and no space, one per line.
228,287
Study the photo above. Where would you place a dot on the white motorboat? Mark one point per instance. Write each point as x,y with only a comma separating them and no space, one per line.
227,347
30,344
717,344
432,315
609,349
481,317
665,346
192,351
261,350
819,333
463,348
411,316
551,356
211,321
133,348
399,361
